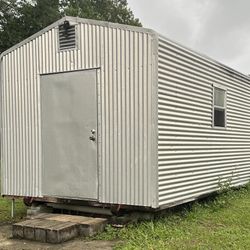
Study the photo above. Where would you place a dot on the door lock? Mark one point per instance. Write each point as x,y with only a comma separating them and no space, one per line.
92,137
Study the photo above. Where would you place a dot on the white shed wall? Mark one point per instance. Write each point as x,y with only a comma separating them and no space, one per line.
125,56
193,157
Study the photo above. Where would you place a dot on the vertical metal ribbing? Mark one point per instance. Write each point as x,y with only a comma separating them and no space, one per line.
124,58
118,141
36,116
124,110
20,135
10,118
145,124
32,122
132,115
25,122
5,126
32,117
113,73
16,114
105,122
27,125
3,132
127,90
101,125
4,144
136,115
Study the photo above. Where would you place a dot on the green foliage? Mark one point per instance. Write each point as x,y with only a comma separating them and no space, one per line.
20,19
5,210
220,221
225,185
108,10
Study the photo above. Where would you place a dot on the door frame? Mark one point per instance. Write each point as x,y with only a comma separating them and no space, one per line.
98,125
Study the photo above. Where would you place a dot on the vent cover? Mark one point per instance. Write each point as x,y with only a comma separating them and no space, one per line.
67,36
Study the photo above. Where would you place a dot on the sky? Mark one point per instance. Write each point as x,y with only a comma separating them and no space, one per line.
219,29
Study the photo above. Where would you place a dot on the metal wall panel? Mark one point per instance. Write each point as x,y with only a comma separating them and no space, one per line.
124,56
193,157
126,117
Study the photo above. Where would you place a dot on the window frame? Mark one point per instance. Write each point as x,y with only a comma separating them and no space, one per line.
221,87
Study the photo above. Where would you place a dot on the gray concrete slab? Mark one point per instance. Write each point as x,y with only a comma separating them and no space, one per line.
57,228
8,243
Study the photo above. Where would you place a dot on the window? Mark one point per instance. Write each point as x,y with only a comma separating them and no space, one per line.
67,36
219,107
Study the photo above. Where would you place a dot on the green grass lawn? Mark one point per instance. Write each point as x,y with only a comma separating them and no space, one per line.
5,210
218,222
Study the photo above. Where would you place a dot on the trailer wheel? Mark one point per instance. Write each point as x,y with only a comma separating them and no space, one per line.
28,201
116,209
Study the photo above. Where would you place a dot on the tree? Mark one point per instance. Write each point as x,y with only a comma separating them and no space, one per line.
116,11
20,19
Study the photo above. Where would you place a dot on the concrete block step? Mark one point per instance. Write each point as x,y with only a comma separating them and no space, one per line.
57,228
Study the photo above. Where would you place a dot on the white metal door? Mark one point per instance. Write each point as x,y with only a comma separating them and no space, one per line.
69,132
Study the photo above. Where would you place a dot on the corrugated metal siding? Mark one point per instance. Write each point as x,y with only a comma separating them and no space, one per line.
126,174
125,109
193,157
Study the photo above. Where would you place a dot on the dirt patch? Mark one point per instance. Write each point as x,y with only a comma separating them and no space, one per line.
7,243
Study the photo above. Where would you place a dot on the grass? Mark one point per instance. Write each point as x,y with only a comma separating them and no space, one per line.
218,222
5,210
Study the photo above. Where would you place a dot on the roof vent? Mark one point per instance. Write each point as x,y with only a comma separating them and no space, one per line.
67,36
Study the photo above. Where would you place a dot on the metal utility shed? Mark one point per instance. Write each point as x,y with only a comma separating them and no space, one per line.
115,114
